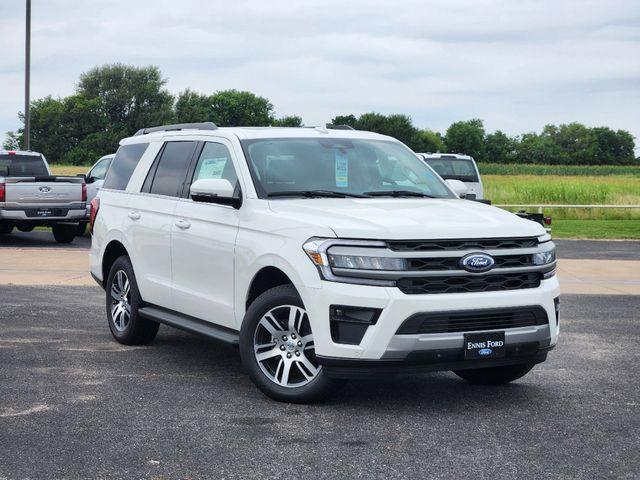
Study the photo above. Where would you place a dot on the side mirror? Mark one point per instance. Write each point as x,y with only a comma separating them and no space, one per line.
214,190
89,180
458,187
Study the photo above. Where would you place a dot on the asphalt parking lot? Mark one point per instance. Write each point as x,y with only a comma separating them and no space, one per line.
75,404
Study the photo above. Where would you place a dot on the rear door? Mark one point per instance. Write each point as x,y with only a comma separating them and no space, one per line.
204,236
96,177
149,220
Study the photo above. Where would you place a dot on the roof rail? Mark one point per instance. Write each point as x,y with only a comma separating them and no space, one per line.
339,127
177,126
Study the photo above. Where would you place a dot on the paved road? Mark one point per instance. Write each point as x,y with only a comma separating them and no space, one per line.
40,239
75,404
589,249
598,249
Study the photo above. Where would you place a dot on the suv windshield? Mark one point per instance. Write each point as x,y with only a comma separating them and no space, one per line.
334,167
454,168
22,165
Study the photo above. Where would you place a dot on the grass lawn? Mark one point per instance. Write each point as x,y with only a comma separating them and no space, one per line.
69,170
597,229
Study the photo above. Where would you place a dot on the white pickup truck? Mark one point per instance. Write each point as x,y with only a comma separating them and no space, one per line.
31,196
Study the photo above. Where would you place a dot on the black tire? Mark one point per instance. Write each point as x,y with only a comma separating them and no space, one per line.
495,375
82,228
138,330
6,228
64,233
317,389
26,228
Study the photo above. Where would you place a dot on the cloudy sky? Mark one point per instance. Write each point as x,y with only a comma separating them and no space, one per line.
516,64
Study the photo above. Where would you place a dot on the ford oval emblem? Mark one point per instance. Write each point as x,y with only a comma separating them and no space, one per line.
485,351
477,262
44,189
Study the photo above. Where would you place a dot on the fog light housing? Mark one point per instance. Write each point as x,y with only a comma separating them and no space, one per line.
349,324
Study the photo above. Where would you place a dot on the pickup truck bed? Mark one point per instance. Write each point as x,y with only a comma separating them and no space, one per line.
31,196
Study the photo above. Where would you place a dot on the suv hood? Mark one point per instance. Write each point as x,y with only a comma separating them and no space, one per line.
407,219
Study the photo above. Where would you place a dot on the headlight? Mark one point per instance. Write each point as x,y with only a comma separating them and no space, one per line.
316,249
361,262
544,258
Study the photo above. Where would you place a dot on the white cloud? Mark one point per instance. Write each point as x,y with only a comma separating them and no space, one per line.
517,65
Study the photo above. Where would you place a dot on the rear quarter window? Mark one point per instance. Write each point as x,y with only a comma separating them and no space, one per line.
123,165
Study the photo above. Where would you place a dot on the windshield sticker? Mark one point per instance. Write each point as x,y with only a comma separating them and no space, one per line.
342,168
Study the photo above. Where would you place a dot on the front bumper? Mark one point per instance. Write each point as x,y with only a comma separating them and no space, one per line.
380,341
431,361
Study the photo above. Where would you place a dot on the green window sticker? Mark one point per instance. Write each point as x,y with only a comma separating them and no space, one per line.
342,168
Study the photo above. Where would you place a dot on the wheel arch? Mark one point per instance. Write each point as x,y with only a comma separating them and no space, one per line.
266,278
114,250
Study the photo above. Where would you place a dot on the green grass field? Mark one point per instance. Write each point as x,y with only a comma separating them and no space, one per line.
556,185
563,170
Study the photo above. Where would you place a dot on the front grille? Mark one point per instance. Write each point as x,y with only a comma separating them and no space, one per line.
453,263
464,284
473,321
473,244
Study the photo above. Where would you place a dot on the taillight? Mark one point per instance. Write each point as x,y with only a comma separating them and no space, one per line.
84,192
2,192
95,206
547,220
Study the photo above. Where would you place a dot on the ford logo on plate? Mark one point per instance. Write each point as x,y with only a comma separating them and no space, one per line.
485,351
477,262
44,189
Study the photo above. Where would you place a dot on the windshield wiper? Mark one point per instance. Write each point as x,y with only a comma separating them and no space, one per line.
315,193
398,193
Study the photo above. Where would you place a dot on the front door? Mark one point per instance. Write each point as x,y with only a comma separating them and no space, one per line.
203,242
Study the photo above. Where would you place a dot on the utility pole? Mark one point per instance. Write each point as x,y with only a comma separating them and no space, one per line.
27,78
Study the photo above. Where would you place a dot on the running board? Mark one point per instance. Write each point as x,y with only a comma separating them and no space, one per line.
190,324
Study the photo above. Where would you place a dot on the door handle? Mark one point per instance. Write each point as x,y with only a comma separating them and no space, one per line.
183,224
133,215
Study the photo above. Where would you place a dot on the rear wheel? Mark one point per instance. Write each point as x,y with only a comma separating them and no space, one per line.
495,375
26,228
6,228
64,233
278,351
123,301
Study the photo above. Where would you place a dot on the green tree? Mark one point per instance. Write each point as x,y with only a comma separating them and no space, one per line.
193,107
500,148
540,149
233,108
428,141
287,121
466,137
350,120
12,141
131,97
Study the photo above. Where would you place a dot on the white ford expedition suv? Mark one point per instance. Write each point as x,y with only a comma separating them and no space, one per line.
324,254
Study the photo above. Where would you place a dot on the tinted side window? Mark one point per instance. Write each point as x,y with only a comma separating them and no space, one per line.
100,170
123,165
172,168
215,162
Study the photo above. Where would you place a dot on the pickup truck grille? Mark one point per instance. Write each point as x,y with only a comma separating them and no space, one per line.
473,244
473,321
465,284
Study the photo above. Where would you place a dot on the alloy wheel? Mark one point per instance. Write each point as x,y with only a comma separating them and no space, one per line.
283,347
120,300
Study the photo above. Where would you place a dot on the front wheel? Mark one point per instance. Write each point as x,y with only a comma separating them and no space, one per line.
494,375
278,351
64,233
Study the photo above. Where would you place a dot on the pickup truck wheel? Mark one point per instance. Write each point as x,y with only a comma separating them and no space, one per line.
5,229
64,233
495,375
123,301
26,228
277,349
82,228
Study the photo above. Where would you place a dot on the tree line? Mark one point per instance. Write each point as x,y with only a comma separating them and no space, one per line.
114,101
